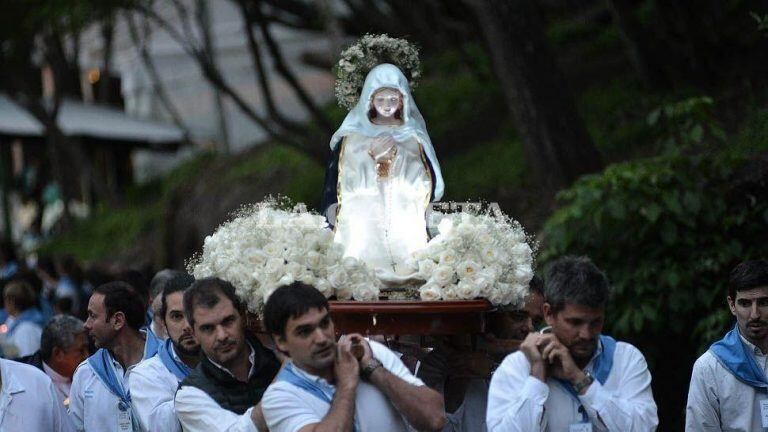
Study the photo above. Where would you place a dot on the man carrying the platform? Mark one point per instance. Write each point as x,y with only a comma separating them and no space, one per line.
154,381
99,397
570,377
320,387
223,392
728,385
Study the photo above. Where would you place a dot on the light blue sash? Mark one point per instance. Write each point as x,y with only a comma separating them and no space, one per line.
176,367
289,375
601,368
152,343
101,363
733,355
32,315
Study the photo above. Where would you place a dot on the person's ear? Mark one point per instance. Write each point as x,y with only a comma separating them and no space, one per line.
549,314
280,343
118,321
731,305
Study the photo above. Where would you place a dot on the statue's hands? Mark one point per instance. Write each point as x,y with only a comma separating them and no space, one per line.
383,147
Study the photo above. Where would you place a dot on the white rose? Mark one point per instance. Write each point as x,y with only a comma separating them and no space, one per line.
467,269
358,276
467,290
350,263
337,277
365,292
445,226
443,275
314,260
521,251
306,278
447,257
430,292
274,265
287,279
344,293
490,254
324,287
294,269
273,249
426,267
450,292
523,275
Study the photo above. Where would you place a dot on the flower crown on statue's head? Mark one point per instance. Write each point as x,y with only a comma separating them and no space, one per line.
370,51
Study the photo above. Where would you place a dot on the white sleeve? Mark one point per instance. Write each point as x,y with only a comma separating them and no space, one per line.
702,412
198,412
76,398
61,421
285,410
153,403
391,362
631,407
515,398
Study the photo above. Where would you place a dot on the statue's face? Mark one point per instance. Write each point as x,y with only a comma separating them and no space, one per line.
387,101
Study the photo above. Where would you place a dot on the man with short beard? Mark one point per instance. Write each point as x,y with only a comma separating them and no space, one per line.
729,383
99,397
324,387
154,382
570,377
224,391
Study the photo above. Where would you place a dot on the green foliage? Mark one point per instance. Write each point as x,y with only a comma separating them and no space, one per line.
686,125
667,231
485,171
762,21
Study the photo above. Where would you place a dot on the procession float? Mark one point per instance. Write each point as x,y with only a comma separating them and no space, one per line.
391,258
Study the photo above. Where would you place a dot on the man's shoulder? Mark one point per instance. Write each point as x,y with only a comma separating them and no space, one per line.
705,363
25,371
149,368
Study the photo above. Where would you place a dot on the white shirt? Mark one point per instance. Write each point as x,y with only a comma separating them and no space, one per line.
26,337
519,402
197,411
153,388
61,383
288,408
718,401
92,406
28,401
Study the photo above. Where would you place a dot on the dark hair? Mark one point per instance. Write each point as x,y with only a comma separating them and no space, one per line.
748,275
536,285
575,280
291,301
121,297
135,279
59,332
160,279
22,294
177,283
207,293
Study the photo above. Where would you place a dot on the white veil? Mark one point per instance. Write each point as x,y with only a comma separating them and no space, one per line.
387,75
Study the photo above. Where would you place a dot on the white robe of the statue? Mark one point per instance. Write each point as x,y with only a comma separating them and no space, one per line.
382,220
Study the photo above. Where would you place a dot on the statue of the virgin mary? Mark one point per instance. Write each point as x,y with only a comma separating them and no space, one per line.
382,176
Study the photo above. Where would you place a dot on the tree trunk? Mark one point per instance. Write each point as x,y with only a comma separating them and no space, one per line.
555,139
644,57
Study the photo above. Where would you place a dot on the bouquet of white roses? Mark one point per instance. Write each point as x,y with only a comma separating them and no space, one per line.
476,255
265,247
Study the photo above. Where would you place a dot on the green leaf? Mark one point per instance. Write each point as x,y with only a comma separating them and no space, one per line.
651,212
697,133
669,232
653,117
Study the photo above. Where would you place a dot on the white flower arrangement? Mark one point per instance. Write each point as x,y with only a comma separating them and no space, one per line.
370,51
265,247
476,255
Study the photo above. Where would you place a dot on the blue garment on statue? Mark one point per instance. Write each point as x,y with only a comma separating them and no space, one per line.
734,355
176,367
601,368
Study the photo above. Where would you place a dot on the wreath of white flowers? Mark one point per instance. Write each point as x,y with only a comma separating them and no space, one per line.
370,51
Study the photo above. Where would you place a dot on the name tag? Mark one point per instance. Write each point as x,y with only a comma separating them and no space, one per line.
580,427
764,412
124,421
